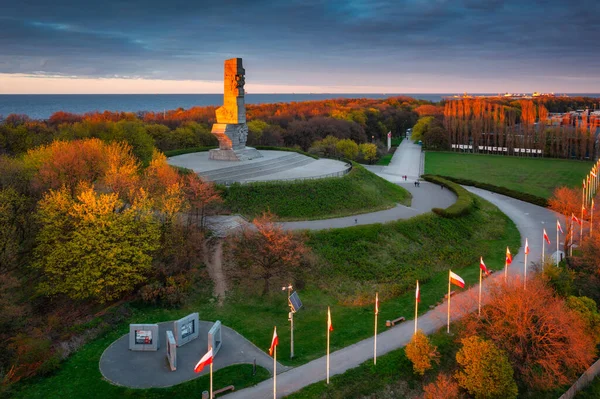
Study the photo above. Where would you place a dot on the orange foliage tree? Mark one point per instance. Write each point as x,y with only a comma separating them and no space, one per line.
546,342
444,387
567,202
200,194
265,250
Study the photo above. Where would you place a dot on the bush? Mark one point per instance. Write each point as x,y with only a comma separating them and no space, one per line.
532,199
421,353
444,387
485,370
465,203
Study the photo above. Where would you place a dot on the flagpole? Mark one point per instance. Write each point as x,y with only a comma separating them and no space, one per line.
592,218
375,336
581,228
328,313
557,243
211,385
449,271
275,372
543,250
525,270
571,238
505,269
416,308
479,311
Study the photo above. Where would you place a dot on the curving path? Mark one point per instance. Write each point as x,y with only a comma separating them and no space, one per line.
529,219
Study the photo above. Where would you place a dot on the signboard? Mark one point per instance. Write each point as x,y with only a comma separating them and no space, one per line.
143,337
186,329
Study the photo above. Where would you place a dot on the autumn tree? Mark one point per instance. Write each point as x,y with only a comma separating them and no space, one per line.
367,152
91,246
201,195
485,371
567,202
165,187
421,353
444,387
265,250
347,148
536,329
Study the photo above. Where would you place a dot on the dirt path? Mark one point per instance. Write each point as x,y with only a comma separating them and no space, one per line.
213,257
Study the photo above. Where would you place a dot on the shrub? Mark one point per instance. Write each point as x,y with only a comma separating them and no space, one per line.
485,370
421,353
444,387
532,199
465,203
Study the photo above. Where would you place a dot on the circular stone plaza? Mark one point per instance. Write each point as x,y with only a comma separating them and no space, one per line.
274,165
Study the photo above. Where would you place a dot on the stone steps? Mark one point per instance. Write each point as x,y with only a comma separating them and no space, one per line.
257,169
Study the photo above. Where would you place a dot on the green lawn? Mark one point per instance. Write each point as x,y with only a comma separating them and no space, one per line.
385,160
592,391
537,176
360,191
351,264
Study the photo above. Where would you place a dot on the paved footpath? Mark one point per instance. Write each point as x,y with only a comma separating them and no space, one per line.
407,160
529,219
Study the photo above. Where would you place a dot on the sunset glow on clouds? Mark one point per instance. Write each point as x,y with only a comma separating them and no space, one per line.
299,46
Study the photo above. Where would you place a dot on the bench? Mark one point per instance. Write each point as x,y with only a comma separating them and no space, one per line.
391,323
205,394
451,294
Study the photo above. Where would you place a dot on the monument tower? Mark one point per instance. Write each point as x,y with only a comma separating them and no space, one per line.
231,129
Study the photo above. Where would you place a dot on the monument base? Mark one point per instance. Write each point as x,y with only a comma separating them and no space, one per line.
234,155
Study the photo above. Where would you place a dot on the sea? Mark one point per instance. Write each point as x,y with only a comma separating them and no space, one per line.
41,106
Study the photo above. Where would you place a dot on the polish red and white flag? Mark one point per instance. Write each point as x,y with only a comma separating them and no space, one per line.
418,293
457,280
483,267
546,237
274,342
559,227
206,360
329,325
508,257
526,247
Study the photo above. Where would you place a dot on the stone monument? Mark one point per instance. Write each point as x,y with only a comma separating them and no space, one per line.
231,129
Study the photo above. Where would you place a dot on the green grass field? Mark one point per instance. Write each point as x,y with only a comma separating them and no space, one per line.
360,191
537,176
385,160
351,264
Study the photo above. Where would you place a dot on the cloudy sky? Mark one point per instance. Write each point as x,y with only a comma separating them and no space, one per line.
357,46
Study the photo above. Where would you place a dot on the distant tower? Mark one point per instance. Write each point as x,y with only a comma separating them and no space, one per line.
231,129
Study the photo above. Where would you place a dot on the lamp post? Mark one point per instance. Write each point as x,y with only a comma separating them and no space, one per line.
290,318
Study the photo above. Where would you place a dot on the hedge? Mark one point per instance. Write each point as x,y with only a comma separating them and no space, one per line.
533,199
465,203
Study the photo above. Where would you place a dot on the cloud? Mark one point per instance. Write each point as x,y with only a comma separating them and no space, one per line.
311,42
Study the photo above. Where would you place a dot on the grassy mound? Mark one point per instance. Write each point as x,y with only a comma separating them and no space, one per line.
360,191
536,176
